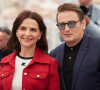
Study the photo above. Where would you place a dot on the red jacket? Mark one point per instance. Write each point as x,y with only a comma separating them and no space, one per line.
40,74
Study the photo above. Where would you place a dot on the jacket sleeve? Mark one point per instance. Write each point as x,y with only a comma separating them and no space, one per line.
52,54
93,29
1,87
54,82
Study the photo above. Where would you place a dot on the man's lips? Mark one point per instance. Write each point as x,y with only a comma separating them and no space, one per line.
67,34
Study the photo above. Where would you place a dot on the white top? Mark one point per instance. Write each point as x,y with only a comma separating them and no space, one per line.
20,64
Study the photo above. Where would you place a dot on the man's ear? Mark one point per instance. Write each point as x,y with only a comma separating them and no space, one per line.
83,22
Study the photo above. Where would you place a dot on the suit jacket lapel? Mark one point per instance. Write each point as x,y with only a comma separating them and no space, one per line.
80,56
61,58
61,55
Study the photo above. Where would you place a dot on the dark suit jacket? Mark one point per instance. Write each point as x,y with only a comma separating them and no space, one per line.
86,72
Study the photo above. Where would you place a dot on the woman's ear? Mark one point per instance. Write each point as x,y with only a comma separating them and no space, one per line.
16,34
40,35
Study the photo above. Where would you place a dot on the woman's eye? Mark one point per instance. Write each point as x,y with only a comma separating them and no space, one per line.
22,28
33,29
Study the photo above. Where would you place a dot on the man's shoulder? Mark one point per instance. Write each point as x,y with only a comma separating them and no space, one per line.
94,40
7,52
58,48
9,57
96,7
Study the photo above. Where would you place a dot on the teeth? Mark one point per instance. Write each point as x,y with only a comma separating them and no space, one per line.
27,39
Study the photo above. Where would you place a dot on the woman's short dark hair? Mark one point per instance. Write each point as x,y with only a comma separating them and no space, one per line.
14,43
70,7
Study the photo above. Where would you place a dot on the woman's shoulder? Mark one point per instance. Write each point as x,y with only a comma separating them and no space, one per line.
8,57
50,59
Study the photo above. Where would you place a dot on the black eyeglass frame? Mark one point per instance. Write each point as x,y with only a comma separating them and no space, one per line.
68,23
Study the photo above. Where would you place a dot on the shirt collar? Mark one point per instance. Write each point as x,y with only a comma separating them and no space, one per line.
39,57
75,47
89,11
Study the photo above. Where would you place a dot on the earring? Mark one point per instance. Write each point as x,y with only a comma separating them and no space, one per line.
39,39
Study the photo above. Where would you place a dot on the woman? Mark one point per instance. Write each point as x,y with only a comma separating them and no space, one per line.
29,68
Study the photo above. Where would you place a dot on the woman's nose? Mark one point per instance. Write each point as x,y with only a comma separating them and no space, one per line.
27,32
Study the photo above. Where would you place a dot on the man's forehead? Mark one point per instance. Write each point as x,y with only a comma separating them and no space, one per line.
85,0
68,15
2,34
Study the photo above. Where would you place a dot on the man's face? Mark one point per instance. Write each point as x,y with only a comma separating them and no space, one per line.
3,40
86,3
71,35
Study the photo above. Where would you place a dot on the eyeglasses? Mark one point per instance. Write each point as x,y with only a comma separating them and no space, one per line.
71,24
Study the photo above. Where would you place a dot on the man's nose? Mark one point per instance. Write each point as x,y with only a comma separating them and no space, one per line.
67,28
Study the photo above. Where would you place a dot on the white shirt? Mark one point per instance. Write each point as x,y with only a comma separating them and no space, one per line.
20,64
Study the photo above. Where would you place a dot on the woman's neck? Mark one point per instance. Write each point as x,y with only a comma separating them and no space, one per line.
27,52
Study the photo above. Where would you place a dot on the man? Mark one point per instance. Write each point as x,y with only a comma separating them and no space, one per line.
92,16
4,36
79,56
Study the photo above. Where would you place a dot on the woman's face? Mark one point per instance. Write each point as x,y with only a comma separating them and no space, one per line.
28,33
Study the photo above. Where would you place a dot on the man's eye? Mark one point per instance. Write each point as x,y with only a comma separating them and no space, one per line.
61,24
71,22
